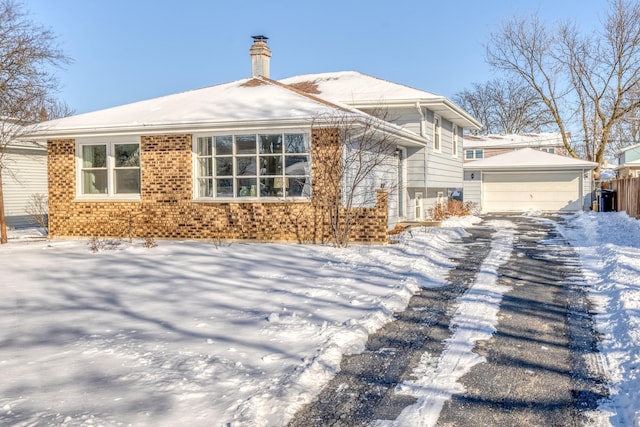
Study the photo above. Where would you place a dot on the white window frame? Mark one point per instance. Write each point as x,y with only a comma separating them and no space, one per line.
252,195
474,153
467,152
550,150
110,143
437,133
454,139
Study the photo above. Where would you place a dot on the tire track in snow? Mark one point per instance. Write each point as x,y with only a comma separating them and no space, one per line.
474,320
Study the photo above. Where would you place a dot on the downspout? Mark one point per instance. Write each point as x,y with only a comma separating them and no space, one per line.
423,124
423,133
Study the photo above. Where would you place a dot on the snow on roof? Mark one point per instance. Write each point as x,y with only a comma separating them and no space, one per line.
243,101
252,102
513,140
361,90
353,87
529,158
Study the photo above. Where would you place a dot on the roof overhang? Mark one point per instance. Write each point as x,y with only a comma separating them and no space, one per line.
42,133
439,105
625,149
521,168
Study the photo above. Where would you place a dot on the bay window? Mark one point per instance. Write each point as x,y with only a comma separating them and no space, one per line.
248,165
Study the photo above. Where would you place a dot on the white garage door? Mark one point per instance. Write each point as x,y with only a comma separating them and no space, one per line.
520,192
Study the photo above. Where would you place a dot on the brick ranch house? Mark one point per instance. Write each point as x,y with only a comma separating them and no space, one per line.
244,160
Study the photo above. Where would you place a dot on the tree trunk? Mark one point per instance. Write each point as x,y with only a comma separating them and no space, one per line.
3,219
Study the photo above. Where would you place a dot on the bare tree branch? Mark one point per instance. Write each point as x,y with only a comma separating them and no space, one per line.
28,53
592,77
359,161
506,106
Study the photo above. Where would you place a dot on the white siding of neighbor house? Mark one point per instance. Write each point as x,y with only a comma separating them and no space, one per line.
24,174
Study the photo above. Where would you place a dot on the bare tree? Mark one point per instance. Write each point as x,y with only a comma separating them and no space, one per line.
28,52
625,132
589,78
478,101
355,157
506,106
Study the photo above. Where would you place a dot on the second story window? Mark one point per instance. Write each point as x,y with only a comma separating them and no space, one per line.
473,154
550,150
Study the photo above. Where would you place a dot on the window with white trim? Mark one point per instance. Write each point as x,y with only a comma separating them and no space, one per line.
474,154
253,166
454,143
437,133
109,169
550,150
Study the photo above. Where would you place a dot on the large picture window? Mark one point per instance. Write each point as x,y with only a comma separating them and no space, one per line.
261,165
109,169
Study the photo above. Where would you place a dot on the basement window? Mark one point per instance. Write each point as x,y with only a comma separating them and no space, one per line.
253,166
108,169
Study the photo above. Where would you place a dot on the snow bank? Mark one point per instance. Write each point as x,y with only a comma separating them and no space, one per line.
609,249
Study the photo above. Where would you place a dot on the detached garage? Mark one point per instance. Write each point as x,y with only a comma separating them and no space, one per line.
529,180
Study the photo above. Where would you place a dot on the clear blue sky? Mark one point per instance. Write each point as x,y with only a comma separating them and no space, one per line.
129,50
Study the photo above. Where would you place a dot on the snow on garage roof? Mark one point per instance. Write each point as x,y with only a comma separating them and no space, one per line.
529,158
513,140
361,90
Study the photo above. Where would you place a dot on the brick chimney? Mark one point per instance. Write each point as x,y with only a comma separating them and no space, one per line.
260,56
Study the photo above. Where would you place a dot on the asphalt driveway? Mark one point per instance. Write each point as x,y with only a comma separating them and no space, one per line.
541,363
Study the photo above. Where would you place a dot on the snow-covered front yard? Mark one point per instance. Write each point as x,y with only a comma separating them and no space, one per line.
244,334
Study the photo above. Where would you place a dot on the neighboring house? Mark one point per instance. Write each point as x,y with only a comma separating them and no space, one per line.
243,160
478,147
24,175
529,180
628,161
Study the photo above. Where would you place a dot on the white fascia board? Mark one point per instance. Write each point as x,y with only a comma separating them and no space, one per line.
526,168
159,129
410,138
438,104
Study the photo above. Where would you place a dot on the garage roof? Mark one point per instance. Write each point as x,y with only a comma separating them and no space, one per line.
529,158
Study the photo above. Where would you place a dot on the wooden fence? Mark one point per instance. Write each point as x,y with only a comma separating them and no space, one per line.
627,195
